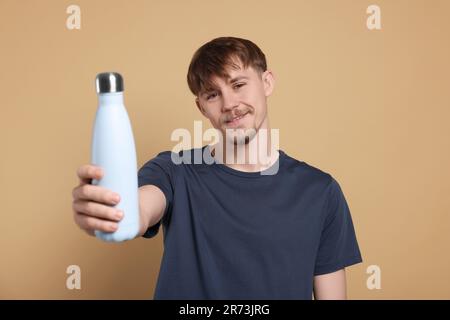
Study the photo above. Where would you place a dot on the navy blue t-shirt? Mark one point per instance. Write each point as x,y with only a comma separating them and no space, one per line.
230,234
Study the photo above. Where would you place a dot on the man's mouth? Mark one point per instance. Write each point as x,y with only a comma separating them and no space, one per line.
235,120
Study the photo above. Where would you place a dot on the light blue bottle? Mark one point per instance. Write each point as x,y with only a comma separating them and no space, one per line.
113,149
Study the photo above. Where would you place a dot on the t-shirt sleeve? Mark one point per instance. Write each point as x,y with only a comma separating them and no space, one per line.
338,245
158,172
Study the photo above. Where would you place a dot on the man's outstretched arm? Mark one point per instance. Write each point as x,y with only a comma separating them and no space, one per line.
330,286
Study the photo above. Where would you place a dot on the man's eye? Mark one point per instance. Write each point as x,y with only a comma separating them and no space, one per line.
211,96
238,85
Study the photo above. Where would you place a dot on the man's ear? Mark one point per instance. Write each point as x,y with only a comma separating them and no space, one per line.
268,82
199,106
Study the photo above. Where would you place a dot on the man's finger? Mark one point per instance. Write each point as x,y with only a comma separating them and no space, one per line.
88,172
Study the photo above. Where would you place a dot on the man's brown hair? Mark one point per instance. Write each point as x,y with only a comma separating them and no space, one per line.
216,55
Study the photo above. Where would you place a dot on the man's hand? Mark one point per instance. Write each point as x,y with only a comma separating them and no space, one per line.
92,205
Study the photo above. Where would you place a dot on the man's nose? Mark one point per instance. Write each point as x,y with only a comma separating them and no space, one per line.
229,100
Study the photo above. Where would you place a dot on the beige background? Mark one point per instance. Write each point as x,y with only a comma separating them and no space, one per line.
369,107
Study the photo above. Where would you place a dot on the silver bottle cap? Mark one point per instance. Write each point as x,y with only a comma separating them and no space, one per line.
108,82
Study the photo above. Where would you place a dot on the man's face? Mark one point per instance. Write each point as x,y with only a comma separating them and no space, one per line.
237,102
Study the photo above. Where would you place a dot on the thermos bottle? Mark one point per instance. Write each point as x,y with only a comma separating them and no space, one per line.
113,150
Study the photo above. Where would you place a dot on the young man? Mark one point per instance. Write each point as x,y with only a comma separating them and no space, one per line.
231,231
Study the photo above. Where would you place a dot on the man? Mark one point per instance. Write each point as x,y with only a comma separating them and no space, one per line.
230,230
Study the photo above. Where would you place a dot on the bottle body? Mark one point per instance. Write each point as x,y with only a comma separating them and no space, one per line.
113,149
